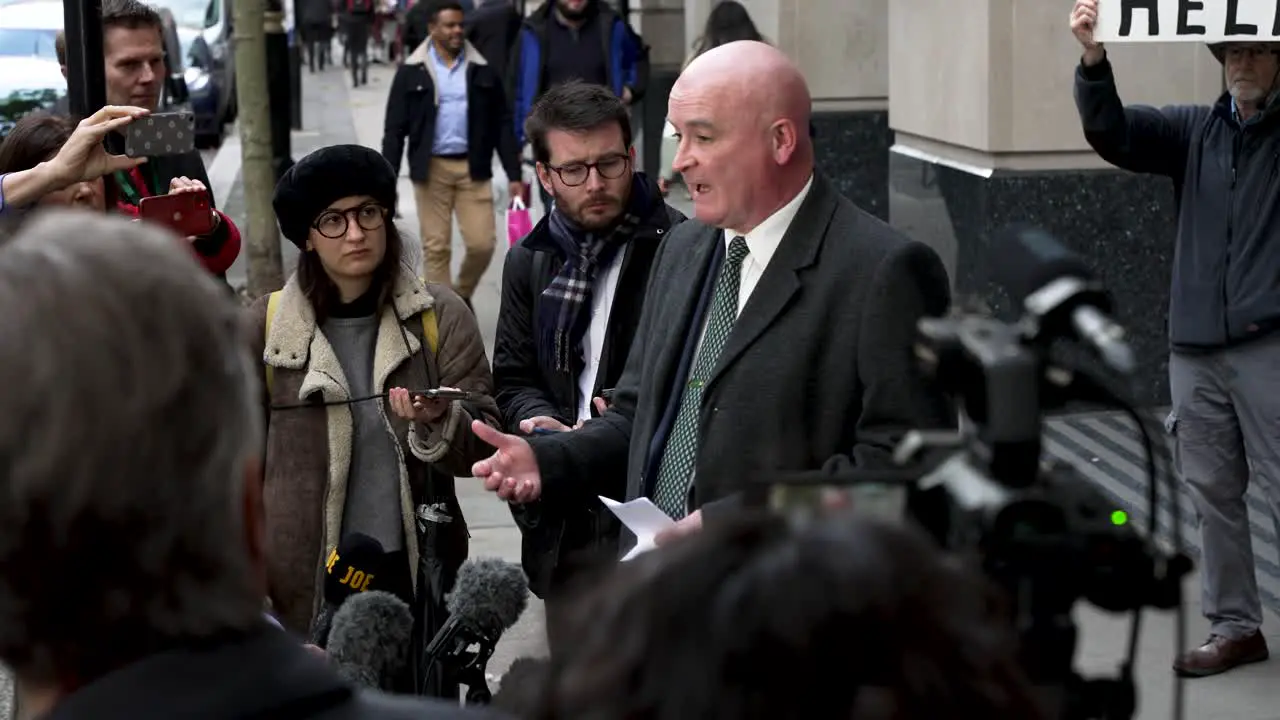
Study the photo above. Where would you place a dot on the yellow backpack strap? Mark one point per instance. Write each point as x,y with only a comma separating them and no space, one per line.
430,330
272,301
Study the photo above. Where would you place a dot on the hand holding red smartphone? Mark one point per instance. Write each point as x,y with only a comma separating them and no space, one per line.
188,213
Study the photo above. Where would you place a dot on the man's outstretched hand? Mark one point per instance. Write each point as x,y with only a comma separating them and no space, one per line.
512,471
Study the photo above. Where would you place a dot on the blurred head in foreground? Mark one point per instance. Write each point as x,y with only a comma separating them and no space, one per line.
846,618
129,489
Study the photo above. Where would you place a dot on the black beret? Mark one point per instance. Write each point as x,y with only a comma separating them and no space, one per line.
328,174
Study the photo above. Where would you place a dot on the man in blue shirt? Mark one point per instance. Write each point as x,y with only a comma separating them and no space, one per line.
450,104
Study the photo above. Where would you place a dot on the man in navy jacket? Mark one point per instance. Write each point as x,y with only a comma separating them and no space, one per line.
575,40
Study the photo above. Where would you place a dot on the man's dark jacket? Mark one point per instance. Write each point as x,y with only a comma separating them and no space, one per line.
493,28
1226,272
266,674
411,113
317,14
525,388
626,59
416,20
816,374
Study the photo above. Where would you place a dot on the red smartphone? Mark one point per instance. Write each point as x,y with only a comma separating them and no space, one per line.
186,213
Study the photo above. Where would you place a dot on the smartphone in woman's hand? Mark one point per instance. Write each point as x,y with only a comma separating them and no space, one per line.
445,394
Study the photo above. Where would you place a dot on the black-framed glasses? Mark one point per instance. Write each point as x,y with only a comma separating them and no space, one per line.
333,224
575,174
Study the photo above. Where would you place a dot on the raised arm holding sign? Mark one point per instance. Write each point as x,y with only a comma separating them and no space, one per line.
1084,22
1187,20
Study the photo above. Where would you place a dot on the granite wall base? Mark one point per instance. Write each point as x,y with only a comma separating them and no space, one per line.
852,149
1122,224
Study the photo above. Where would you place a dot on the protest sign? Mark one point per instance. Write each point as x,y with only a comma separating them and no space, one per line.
1203,21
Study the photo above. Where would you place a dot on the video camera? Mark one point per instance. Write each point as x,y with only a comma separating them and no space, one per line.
1036,527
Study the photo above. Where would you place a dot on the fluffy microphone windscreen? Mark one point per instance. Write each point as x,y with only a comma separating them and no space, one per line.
370,638
489,594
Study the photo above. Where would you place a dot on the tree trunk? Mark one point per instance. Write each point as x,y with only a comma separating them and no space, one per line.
266,268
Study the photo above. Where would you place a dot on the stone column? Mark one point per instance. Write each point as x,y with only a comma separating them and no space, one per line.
661,24
987,134
841,47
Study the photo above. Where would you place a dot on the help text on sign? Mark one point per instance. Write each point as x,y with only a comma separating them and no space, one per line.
1204,21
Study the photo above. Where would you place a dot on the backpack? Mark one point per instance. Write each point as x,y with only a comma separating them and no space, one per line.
430,331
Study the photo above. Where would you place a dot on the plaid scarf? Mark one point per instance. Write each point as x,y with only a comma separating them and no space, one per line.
565,313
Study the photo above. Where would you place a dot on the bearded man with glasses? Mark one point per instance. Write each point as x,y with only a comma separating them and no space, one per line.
572,292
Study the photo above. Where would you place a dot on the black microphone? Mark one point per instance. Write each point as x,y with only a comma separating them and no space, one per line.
353,567
370,640
1056,288
488,597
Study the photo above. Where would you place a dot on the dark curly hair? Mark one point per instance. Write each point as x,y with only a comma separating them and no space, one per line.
856,618
574,106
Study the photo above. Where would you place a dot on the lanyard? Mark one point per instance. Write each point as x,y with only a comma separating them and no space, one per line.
134,185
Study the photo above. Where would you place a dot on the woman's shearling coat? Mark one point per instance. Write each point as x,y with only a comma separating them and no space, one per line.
308,451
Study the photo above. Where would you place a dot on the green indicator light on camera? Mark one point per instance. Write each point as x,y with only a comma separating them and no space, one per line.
1119,517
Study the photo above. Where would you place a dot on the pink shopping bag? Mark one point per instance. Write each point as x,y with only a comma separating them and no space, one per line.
518,222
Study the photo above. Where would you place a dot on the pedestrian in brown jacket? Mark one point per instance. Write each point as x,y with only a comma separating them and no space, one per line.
347,346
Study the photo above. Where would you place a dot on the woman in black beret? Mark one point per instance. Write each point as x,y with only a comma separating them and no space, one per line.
355,443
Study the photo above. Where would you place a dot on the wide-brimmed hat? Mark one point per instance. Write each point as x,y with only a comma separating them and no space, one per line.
1219,49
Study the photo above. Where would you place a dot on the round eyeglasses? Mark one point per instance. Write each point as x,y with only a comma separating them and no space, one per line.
333,224
575,174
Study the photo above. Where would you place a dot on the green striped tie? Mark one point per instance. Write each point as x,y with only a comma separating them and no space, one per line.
676,472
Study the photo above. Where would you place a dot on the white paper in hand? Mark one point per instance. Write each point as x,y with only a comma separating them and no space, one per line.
644,519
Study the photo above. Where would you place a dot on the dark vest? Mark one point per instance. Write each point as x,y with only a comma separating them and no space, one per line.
576,54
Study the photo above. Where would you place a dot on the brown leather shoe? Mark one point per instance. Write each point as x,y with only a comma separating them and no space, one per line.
1219,654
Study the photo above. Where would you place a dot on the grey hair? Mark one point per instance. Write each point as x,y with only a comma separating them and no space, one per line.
127,418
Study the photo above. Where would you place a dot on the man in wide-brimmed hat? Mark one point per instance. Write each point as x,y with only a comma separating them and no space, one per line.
1251,70
1224,306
